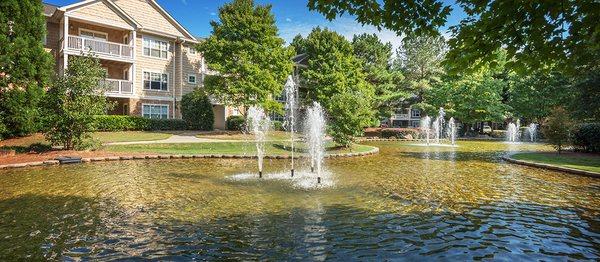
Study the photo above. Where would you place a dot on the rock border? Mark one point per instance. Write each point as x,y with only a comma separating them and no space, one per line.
374,150
552,167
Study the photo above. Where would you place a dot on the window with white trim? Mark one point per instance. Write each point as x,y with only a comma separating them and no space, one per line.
192,79
192,50
93,34
156,81
155,111
415,113
155,48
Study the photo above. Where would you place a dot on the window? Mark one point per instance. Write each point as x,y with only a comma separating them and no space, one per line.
415,113
192,79
155,111
89,34
156,81
415,123
192,50
155,48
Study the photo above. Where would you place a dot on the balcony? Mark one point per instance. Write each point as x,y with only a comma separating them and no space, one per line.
103,49
118,87
401,117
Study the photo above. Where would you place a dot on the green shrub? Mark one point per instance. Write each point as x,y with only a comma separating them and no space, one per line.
120,123
498,133
197,112
278,126
166,124
235,123
586,137
557,128
399,133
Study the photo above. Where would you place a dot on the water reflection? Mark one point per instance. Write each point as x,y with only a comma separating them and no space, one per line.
407,202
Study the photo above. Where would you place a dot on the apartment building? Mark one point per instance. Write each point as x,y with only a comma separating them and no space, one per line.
148,55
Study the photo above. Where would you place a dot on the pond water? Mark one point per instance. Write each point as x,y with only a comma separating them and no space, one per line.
408,202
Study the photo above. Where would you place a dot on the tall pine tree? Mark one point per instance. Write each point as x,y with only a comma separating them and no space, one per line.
25,67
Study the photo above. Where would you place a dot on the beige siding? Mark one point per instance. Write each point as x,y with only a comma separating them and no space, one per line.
53,41
151,64
149,17
191,66
101,13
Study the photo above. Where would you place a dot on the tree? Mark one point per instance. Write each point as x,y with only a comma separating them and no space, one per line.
533,97
420,59
471,98
25,67
197,111
535,33
557,128
587,96
72,101
249,55
376,57
299,44
334,78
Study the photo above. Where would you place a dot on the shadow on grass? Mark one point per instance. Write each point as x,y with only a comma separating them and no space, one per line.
36,147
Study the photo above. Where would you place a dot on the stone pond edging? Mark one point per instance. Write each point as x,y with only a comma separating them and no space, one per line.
374,150
552,167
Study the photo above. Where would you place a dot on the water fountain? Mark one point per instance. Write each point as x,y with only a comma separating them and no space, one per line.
290,108
258,123
512,132
426,126
438,125
452,131
532,131
315,134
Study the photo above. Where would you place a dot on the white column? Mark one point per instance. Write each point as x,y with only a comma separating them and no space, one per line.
65,43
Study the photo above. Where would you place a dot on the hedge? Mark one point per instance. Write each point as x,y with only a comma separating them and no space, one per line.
235,123
586,137
278,126
498,133
135,123
400,133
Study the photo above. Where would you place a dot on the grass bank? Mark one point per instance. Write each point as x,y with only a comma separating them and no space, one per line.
233,148
587,162
231,135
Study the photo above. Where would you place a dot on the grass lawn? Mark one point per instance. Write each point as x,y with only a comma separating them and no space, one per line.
580,161
129,136
25,144
233,148
273,135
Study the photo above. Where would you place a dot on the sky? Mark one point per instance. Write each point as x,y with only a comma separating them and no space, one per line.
292,16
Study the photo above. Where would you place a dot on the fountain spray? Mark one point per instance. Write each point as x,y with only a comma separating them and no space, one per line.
290,108
452,130
426,125
258,123
315,133
532,131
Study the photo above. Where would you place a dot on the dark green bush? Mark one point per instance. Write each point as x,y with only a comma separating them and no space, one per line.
166,124
235,123
197,111
400,133
586,137
278,126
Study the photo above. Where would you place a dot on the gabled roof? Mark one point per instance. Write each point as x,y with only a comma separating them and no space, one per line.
49,9
113,6
172,20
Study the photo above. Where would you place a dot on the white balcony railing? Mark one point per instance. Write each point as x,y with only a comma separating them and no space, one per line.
401,116
99,47
116,86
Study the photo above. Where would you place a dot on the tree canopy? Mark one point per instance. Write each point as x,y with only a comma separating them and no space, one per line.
25,67
248,53
376,58
334,78
536,34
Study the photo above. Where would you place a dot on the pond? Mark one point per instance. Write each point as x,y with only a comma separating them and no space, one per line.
408,202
